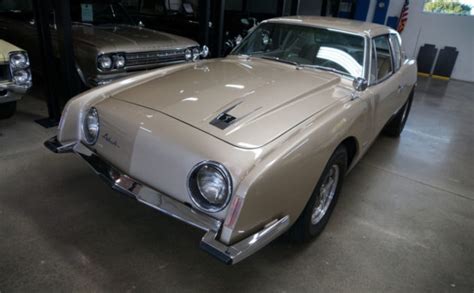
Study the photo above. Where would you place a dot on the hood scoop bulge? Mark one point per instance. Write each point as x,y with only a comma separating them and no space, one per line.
223,120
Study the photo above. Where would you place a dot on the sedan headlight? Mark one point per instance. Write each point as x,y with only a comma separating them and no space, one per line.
104,62
21,76
91,126
19,60
196,54
20,68
119,61
210,186
188,54
107,62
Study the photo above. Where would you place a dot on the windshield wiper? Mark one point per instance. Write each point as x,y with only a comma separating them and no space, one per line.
278,60
323,68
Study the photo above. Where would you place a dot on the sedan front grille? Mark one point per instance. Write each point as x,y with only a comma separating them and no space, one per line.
155,57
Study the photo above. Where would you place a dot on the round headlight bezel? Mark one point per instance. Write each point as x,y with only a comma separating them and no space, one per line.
26,74
100,65
89,138
13,60
196,53
196,195
188,54
119,61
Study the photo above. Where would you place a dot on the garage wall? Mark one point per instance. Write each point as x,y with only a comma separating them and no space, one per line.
440,30
310,7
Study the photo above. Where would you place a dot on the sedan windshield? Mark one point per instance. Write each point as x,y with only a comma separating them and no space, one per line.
306,46
99,13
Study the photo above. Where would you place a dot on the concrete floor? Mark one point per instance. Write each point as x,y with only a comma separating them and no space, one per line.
405,221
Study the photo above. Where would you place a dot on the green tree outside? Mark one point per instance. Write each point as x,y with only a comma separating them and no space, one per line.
448,7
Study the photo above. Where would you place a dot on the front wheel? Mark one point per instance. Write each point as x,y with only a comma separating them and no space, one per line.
7,109
321,204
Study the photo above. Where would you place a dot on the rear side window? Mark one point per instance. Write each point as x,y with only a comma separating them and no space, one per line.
383,57
397,51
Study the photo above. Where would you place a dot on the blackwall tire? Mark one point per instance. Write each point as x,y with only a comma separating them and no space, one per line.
311,221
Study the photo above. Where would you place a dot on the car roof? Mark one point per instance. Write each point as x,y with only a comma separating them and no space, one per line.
342,24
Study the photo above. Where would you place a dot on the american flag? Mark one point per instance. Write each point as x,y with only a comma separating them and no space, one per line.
403,17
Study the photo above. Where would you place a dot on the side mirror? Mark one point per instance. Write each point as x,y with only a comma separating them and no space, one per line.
360,84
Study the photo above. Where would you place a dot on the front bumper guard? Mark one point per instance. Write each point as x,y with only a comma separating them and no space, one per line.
125,184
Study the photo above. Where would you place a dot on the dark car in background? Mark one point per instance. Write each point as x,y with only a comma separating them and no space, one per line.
182,17
108,43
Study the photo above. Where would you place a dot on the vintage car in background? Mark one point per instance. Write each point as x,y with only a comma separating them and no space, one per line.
15,77
252,145
107,43
181,17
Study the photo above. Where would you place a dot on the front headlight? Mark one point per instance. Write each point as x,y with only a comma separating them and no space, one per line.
196,54
91,126
188,54
104,62
210,186
19,60
119,61
21,76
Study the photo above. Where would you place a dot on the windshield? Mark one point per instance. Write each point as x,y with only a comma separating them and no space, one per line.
99,13
320,48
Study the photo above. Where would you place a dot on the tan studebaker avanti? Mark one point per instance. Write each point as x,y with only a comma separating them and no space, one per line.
252,145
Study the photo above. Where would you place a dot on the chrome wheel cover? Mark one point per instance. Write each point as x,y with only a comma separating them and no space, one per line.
326,194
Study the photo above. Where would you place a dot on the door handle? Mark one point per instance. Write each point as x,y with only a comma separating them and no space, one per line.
400,88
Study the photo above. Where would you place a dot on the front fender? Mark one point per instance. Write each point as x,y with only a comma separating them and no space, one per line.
70,125
283,179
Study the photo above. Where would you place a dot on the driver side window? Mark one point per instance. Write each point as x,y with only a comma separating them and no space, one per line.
383,59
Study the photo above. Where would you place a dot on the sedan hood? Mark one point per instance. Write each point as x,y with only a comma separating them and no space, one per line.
127,38
245,102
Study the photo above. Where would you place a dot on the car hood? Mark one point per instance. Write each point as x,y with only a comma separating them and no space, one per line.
127,38
5,49
265,98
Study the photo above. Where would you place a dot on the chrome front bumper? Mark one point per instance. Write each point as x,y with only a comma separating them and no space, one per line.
14,92
123,183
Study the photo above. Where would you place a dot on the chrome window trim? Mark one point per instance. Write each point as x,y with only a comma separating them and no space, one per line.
391,57
392,49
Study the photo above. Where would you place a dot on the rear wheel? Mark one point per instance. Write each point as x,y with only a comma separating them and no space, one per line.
7,110
321,204
396,125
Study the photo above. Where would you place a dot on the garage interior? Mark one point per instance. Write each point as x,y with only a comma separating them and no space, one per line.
404,220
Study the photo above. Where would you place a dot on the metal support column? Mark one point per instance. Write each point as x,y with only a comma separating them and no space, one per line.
295,7
204,19
70,83
49,75
220,31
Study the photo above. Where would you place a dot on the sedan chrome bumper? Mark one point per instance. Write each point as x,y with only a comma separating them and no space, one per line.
9,91
125,184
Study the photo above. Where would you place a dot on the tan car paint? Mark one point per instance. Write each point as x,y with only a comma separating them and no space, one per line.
5,49
258,92
161,137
